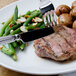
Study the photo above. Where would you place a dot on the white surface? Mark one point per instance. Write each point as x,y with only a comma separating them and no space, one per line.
28,61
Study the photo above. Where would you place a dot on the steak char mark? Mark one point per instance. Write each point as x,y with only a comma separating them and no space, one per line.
59,46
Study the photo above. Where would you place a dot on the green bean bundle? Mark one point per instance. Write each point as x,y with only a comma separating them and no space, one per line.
11,27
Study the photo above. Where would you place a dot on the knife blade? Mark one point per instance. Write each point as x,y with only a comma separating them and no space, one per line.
27,36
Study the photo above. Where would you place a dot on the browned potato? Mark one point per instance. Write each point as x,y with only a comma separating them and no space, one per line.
62,9
74,4
65,19
73,12
74,25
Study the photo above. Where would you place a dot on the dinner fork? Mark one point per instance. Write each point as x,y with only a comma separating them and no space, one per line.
49,15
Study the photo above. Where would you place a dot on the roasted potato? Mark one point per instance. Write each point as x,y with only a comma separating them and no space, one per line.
62,9
74,25
73,12
74,4
65,19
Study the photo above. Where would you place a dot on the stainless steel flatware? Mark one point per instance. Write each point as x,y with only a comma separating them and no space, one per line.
27,36
46,8
49,15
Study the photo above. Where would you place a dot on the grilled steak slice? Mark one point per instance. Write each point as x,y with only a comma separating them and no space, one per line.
59,46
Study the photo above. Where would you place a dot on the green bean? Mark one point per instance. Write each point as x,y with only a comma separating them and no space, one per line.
19,42
7,51
11,47
35,11
13,22
5,25
15,31
14,44
7,31
27,13
22,46
18,30
4,49
33,27
14,57
8,27
15,14
11,50
30,18
40,16
42,26
12,28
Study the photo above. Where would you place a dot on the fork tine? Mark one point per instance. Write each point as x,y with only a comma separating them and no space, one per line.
53,21
49,19
45,21
55,18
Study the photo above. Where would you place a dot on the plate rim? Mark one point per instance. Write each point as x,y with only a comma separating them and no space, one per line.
32,73
9,5
40,73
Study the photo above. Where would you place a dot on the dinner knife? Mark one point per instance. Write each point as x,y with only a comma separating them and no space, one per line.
35,34
27,36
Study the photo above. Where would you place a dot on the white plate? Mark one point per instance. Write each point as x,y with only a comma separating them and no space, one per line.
28,61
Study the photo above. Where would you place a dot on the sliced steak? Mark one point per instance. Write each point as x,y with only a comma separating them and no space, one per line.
59,46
